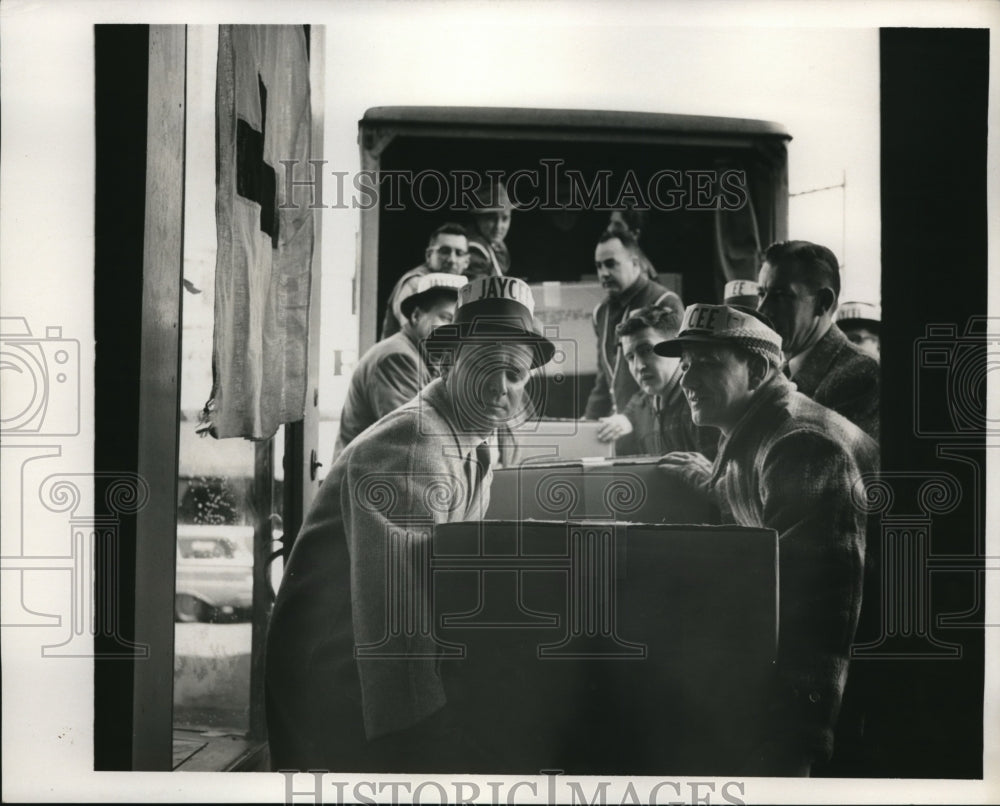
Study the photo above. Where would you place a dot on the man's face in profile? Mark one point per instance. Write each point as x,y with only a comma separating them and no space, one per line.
788,301
426,319
487,383
716,383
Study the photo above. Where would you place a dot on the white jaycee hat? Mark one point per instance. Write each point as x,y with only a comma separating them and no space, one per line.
722,324
859,312
492,309
427,283
741,292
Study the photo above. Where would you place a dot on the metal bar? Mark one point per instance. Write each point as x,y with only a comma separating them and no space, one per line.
263,495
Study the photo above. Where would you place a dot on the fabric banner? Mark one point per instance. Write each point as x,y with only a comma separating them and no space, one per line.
262,270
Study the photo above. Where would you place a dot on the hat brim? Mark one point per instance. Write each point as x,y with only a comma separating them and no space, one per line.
455,335
407,305
672,348
860,320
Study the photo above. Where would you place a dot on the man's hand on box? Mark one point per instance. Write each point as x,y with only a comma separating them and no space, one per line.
614,427
694,468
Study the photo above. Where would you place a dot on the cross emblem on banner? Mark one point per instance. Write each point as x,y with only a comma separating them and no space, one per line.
255,179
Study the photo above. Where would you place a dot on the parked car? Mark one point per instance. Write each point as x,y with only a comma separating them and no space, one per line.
214,573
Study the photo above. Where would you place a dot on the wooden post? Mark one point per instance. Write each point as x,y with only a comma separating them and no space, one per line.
159,399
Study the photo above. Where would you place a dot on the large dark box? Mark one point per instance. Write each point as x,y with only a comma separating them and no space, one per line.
605,648
629,488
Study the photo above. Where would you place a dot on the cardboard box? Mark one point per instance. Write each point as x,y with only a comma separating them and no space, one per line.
560,440
625,489
601,648
566,312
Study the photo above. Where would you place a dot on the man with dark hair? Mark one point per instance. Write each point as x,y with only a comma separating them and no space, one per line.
799,287
393,370
632,221
659,414
789,464
616,259
353,678
447,252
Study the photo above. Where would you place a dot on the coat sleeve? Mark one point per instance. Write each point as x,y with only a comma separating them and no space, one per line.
395,381
599,400
806,487
390,325
393,493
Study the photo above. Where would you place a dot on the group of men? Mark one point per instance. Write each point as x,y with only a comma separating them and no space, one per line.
637,396
767,411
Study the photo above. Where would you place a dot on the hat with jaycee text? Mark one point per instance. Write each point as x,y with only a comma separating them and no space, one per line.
741,292
494,309
722,325
429,285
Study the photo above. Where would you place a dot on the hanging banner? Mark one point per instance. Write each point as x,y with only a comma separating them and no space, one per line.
262,270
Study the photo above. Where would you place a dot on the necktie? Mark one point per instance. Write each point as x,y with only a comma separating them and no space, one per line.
477,463
483,458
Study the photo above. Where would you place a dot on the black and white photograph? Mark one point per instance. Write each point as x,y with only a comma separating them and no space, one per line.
499,402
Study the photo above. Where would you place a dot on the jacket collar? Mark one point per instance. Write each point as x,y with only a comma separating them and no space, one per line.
767,407
624,299
816,365
436,395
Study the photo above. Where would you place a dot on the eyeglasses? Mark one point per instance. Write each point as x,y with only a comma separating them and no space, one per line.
447,251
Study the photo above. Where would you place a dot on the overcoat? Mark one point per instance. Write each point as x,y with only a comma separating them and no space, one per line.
355,583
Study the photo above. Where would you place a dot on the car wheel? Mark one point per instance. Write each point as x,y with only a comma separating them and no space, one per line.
189,608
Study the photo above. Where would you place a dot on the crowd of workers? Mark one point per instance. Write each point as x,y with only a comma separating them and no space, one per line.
765,403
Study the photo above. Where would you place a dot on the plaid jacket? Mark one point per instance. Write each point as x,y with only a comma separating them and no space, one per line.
793,465
843,377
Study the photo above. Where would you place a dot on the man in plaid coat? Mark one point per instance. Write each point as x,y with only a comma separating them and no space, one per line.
790,464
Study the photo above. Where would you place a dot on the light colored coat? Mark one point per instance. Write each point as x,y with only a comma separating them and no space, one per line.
368,529
387,376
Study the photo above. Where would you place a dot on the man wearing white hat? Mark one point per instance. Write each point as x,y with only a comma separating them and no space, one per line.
352,677
393,370
787,463
741,292
860,322
447,253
